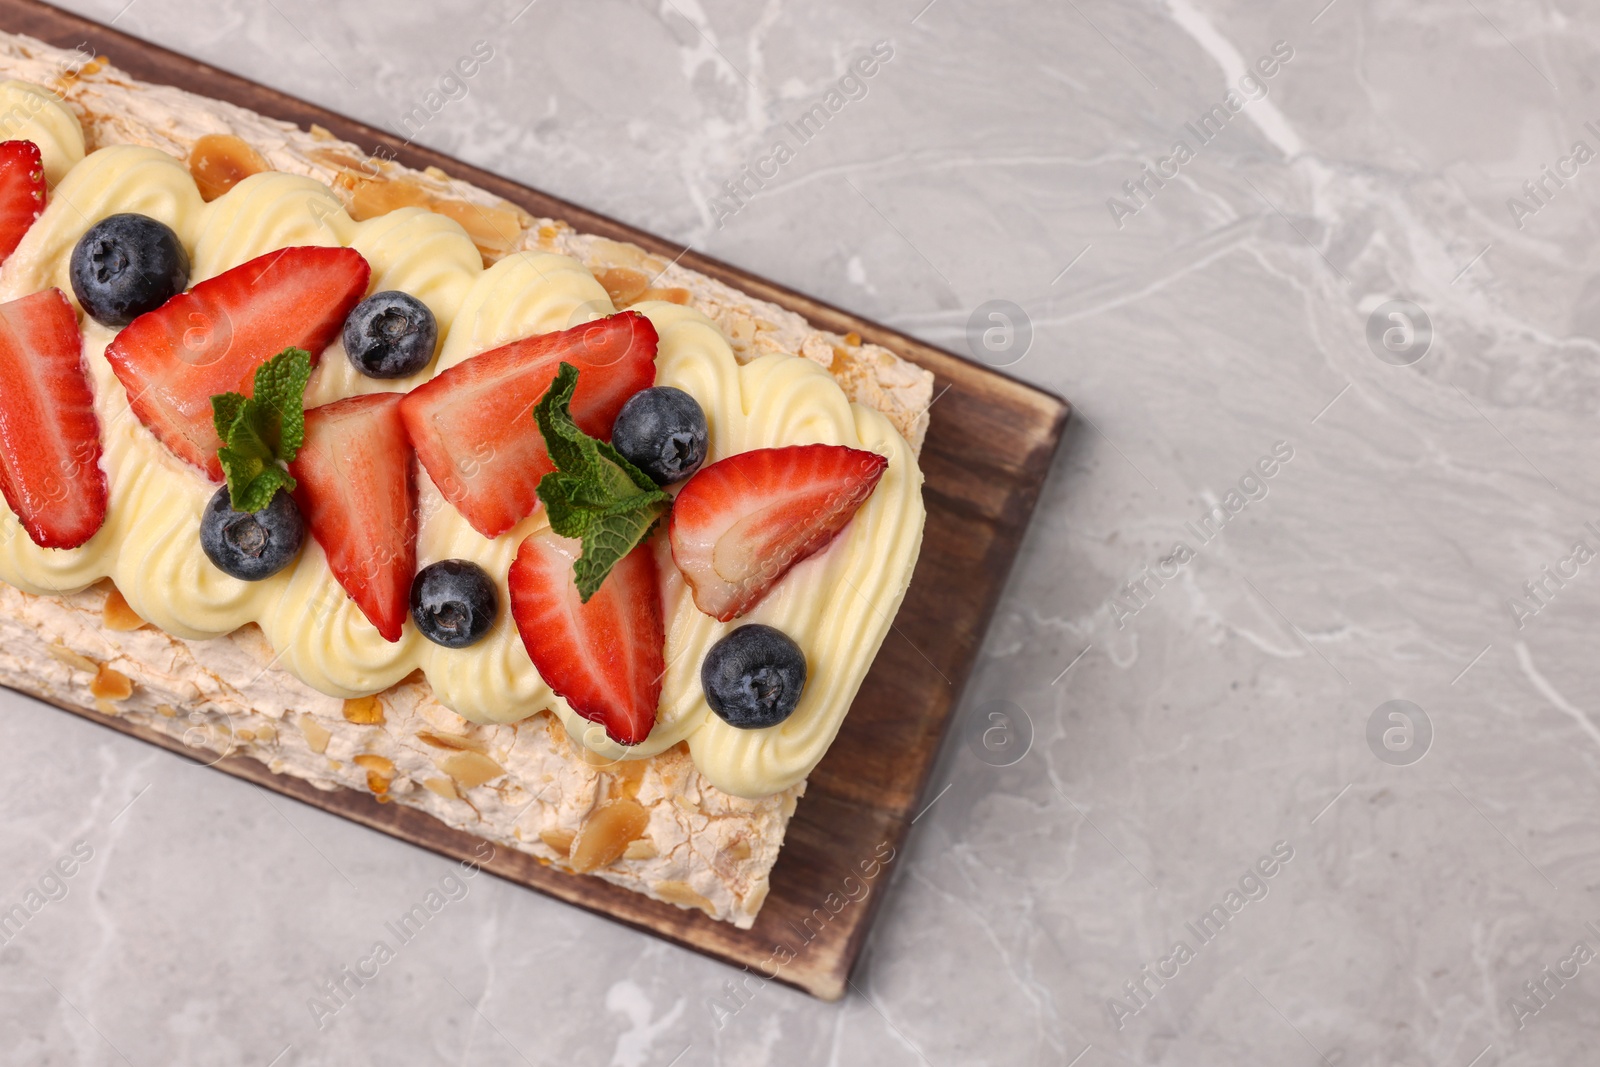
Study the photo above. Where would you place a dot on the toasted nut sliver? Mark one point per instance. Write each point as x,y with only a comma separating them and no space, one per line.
219,161
364,711
109,684
471,769
381,196
560,840
376,764
606,833
117,615
493,229
682,893
317,735
76,661
452,741
623,284
443,787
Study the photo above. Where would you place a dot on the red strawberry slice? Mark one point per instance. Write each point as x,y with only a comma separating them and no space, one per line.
210,340
741,523
606,657
21,192
473,425
49,436
356,490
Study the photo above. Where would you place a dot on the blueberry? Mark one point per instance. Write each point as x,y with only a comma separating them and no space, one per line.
754,676
454,602
126,265
390,335
252,545
662,431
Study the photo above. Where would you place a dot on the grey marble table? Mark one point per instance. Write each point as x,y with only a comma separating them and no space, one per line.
1315,276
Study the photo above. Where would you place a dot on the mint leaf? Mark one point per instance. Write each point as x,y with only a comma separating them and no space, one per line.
280,395
611,537
594,494
225,408
262,433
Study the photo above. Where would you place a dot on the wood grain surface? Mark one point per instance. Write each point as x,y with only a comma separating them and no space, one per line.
987,452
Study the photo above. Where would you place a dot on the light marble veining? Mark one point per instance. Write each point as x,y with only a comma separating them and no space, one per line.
1176,737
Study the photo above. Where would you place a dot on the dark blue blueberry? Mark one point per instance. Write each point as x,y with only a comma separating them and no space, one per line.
390,335
754,676
662,431
126,265
252,545
454,602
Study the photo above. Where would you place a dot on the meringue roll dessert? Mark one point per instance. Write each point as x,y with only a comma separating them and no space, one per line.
373,477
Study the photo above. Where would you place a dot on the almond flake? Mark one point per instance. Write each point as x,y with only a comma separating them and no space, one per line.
317,735
76,661
364,711
376,764
642,849
116,613
623,284
671,296
606,833
108,684
219,161
471,769
683,894
454,742
443,787
560,840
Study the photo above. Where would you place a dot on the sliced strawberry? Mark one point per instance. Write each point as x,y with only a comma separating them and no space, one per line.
473,425
49,436
741,523
606,657
356,490
210,340
21,192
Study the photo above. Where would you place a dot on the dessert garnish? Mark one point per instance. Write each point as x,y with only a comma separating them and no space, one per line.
356,487
605,654
49,436
662,431
741,523
219,161
125,265
252,528
594,495
22,190
261,433
753,677
390,335
470,424
454,602
252,545
173,360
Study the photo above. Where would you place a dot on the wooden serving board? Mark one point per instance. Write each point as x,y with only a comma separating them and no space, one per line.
986,455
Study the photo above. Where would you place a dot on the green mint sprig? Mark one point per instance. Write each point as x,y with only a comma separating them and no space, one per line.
594,493
262,433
